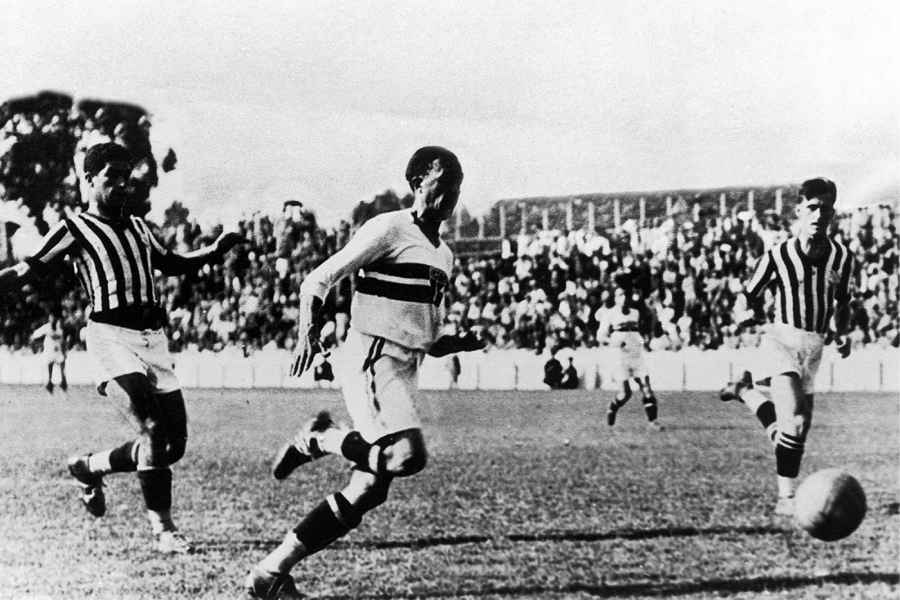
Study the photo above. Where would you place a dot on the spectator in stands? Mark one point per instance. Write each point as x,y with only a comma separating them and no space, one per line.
553,373
570,379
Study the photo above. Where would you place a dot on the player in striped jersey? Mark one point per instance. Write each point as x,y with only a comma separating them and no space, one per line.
115,256
811,274
402,269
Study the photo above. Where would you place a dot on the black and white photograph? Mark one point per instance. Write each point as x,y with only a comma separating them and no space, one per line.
481,300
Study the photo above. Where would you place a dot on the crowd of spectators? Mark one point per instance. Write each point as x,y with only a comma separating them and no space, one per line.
543,290
549,289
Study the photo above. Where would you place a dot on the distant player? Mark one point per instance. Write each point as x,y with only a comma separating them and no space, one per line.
54,353
115,255
622,324
403,268
811,276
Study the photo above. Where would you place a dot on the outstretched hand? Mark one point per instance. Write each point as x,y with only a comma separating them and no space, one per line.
308,344
307,348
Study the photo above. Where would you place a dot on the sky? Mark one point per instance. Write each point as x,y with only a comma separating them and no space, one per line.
324,102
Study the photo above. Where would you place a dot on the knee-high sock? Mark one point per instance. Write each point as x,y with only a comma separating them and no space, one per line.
328,521
156,487
650,407
788,455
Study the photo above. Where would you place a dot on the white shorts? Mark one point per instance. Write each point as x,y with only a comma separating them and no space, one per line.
118,350
379,380
54,357
630,347
787,349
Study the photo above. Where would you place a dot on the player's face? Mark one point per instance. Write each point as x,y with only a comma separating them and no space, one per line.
814,215
110,187
620,298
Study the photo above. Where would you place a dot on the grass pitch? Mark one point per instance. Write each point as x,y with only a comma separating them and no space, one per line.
526,495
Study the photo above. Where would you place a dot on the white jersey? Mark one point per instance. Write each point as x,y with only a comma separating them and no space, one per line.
53,337
626,338
401,278
624,328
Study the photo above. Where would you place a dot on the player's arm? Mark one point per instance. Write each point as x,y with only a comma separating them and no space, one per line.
14,277
57,242
371,242
40,332
752,304
842,309
173,263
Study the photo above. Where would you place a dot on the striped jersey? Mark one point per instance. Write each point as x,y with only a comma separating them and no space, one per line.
114,260
805,291
400,283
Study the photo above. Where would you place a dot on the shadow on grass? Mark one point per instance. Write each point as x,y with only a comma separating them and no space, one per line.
663,590
569,536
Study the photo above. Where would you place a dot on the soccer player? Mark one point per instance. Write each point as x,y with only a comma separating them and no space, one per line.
811,275
115,256
403,268
622,324
54,350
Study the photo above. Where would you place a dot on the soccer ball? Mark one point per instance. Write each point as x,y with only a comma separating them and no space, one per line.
829,504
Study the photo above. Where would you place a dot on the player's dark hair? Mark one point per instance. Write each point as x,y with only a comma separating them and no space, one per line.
420,165
818,187
100,155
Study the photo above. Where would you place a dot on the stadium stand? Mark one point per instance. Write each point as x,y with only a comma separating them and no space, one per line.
532,273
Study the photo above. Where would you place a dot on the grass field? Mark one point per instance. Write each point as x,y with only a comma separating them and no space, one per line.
527,495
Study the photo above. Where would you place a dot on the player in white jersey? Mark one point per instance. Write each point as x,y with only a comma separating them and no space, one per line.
54,350
402,269
811,274
622,324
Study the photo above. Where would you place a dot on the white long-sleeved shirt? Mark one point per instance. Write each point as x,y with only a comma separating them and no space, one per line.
401,280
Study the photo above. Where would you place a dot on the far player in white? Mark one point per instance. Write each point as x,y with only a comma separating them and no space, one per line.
622,323
403,268
54,352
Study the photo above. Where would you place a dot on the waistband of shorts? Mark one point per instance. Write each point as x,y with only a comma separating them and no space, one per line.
386,346
137,317
791,330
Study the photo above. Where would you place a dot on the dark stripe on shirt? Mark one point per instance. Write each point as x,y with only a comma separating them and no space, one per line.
122,234
821,321
145,258
81,269
395,291
409,270
98,266
54,240
793,285
115,259
807,274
